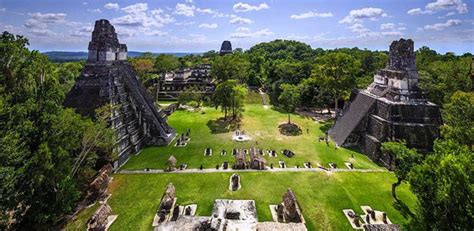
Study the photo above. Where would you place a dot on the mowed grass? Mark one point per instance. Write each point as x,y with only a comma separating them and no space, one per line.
322,196
258,122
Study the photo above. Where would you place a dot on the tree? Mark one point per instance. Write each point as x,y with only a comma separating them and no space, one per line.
337,72
443,184
165,63
289,98
191,94
458,117
229,95
403,160
39,140
232,66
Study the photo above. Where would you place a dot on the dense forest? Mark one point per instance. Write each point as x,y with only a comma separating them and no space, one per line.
49,153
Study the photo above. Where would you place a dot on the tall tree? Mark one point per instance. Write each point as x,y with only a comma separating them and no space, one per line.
337,72
458,117
443,184
289,98
404,159
229,95
232,66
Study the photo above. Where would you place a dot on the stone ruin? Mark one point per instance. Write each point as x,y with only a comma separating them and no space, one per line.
392,108
256,160
234,182
226,48
167,205
98,187
108,78
289,210
240,160
101,219
171,163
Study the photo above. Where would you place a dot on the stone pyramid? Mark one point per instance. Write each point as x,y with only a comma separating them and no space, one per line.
108,78
392,108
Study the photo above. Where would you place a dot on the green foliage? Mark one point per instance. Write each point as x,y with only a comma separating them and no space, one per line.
191,94
229,95
336,73
458,117
231,66
39,139
165,63
289,98
404,160
443,184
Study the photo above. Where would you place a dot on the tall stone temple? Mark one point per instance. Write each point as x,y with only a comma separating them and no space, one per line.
226,48
392,108
108,78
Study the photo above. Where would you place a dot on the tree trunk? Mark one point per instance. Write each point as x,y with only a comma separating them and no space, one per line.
336,106
289,121
225,113
394,187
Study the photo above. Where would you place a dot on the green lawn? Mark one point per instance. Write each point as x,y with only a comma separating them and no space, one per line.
322,196
261,124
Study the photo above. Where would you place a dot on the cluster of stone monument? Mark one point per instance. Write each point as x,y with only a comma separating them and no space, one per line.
227,214
370,220
183,139
392,108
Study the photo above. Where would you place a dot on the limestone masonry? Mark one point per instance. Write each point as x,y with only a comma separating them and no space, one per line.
392,108
108,78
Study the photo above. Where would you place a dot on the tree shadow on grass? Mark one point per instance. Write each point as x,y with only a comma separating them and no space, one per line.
222,125
403,209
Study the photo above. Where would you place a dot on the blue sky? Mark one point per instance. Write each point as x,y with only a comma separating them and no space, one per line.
201,25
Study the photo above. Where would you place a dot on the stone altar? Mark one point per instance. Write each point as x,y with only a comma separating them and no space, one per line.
108,78
392,108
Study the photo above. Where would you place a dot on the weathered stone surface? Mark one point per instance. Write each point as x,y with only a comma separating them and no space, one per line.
289,211
98,187
240,160
392,108
226,48
98,221
108,78
257,161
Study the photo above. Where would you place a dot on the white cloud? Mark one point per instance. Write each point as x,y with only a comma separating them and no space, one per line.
3,9
310,14
387,26
94,10
356,16
183,9
359,28
239,20
42,32
442,26
298,37
188,1
441,5
84,31
112,6
208,26
243,32
138,15
244,7
184,23
48,17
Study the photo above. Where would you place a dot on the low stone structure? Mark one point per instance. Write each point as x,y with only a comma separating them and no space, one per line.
171,162
288,211
392,108
167,205
234,182
108,79
98,187
240,160
171,84
101,219
256,160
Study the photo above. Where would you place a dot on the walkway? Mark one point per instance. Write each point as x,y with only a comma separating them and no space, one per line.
264,101
210,170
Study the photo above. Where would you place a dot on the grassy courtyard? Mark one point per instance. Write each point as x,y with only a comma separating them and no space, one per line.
322,196
257,121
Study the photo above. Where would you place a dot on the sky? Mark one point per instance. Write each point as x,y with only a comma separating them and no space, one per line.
202,25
